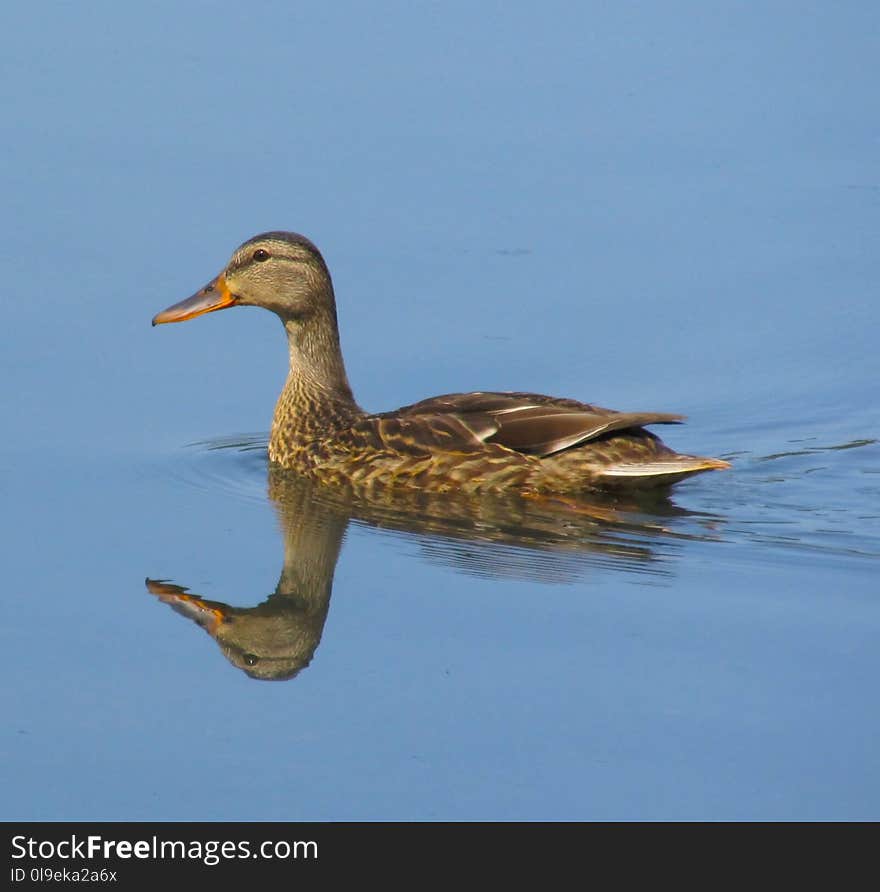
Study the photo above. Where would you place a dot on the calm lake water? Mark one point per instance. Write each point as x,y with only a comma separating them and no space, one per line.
671,208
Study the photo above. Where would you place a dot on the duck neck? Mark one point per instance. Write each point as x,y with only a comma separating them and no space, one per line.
317,397
313,532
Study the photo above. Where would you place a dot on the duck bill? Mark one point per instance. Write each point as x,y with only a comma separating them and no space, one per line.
208,614
214,296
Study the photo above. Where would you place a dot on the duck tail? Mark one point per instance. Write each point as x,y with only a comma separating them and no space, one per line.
659,471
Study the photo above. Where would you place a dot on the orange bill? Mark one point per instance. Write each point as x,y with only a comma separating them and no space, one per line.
208,614
214,296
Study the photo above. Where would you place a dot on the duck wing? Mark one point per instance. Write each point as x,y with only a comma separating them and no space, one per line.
421,434
529,423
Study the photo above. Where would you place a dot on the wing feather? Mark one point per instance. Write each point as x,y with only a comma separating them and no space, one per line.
529,423
543,431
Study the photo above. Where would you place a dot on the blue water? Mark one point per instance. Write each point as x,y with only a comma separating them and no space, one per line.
664,208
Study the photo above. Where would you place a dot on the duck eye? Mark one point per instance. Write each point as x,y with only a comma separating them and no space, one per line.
260,255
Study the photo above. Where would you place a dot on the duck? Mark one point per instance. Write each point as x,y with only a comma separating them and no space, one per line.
468,443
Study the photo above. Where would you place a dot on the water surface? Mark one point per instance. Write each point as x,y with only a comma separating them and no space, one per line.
666,209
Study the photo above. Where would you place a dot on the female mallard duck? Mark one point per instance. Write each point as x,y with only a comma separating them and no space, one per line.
467,442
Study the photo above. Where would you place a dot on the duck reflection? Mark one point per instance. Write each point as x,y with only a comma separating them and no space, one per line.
553,540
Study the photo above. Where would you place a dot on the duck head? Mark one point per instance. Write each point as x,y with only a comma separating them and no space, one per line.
281,271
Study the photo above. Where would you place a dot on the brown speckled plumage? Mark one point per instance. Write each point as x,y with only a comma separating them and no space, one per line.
465,442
